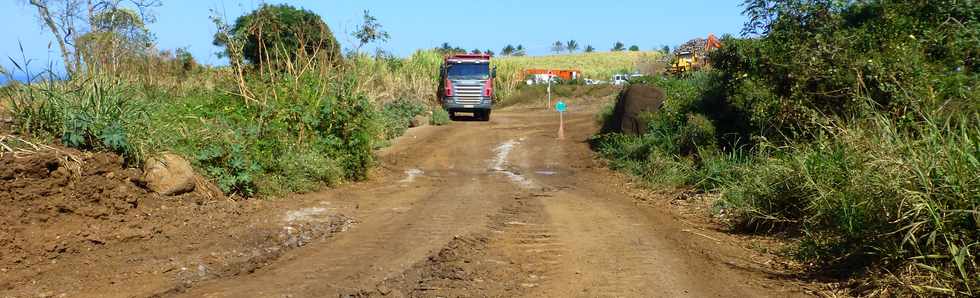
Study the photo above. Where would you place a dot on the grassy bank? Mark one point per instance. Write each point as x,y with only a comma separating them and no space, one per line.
265,133
294,132
856,141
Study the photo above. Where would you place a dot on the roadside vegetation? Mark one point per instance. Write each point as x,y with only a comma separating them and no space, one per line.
290,113
850,127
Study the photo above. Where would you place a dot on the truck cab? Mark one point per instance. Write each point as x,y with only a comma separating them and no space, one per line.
466,85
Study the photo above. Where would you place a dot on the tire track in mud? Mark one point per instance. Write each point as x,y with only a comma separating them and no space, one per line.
517,253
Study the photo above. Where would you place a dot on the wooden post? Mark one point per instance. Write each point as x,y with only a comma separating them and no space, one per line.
561,125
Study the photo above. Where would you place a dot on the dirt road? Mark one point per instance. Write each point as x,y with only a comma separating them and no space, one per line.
484,209
501,209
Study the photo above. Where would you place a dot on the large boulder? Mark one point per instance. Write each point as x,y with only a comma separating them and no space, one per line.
632,103
169,175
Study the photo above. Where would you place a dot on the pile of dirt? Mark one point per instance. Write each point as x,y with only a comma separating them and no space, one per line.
79,223
630,106
54,203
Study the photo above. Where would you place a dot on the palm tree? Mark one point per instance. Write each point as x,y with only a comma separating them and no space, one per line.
571,46
508,50
589,49
557,47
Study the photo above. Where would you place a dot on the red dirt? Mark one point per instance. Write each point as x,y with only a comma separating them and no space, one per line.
79,223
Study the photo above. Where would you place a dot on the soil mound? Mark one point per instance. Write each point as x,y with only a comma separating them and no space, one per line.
80,224
53,203
631,104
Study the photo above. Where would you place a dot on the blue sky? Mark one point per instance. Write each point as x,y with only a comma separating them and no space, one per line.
424,24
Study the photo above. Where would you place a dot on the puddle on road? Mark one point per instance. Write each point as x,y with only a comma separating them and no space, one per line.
306,215
410,175
500,160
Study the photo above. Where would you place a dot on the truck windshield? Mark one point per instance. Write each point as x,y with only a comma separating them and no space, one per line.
469,71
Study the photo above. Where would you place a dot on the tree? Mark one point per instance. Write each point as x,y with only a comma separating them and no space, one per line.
589,49
571,46
476,51
519,51
634,48
274,34
508,50
117,34
445,48
618,47
370,31
488,52
64,18
665,50
557,47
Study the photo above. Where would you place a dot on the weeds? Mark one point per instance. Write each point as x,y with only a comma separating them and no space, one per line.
397,116
439,117
94,114
873,193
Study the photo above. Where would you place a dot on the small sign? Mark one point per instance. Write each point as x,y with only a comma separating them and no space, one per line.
560,106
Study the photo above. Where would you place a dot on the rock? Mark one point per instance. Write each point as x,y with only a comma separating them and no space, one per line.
419,120
635,101
169,175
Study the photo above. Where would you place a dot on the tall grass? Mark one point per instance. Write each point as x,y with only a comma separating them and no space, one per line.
416,77
865,195
596,65
96,114
873,193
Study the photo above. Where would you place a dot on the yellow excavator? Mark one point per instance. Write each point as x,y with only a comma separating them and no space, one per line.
694,57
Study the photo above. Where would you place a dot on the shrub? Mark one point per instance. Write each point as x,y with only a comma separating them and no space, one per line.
229,165
397,116
874,194
274,34
850,126
439,117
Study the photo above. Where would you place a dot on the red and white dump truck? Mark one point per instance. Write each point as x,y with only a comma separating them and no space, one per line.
466,85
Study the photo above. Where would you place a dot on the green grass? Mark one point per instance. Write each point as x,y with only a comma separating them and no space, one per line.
98,114
862,197
439,117
874,194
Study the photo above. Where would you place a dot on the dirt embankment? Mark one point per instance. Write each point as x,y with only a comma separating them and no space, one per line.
77,223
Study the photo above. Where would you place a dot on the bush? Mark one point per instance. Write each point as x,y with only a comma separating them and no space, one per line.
439,117
274,34
231,168
397,116
851,127
874,194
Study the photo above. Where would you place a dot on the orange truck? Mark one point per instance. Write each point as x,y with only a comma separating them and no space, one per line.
535,75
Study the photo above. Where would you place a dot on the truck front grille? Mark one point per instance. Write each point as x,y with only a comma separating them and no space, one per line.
469,94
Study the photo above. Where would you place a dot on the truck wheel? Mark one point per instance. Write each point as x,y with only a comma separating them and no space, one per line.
485,116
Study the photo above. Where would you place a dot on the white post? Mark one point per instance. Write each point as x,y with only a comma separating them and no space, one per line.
549,90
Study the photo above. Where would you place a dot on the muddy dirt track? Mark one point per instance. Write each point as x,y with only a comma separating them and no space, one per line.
472,209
